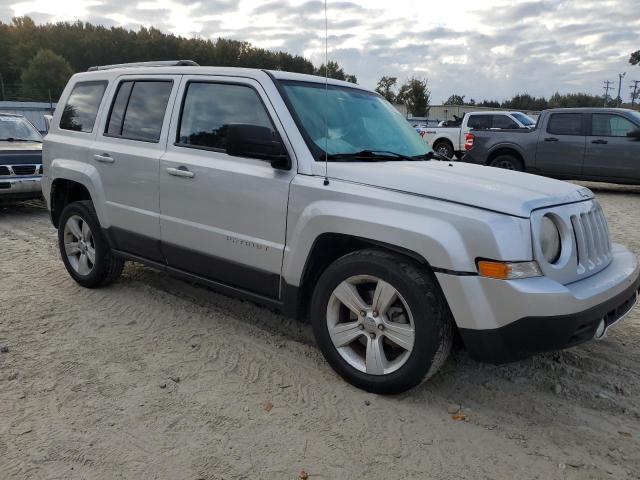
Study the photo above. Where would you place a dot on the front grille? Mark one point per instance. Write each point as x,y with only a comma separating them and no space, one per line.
592,239
4,171
24,169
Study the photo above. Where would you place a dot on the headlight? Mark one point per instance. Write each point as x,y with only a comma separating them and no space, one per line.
550,240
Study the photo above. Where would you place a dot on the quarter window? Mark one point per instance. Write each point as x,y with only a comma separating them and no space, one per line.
81,110
138,110
565,124
608,125
209,108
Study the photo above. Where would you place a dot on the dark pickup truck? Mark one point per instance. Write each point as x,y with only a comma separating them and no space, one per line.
20,159
597,144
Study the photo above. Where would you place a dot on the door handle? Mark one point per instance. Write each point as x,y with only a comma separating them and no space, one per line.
104,158
550,139
180,172
599,141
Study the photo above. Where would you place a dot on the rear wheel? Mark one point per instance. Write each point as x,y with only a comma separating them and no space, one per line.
84,249
381,321
443,148
508,162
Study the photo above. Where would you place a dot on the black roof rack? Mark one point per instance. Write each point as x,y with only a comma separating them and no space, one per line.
164,63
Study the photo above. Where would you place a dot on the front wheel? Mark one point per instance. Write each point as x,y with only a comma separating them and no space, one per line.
443,147
381,321
84,249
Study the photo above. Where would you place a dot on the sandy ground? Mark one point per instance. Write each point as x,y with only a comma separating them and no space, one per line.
155,378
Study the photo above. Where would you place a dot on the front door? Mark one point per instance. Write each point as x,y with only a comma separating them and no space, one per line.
610,153
561,145
223,217
126,155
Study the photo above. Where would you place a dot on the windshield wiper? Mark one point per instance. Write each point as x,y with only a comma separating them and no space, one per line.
437,156
382,155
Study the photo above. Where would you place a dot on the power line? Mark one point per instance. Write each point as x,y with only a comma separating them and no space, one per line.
606,88
635,92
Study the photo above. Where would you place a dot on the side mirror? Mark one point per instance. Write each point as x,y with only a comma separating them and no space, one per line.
47,120
255,141
634,134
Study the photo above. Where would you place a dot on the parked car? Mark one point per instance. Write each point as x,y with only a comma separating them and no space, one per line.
20,159
595,144
231,177
449,140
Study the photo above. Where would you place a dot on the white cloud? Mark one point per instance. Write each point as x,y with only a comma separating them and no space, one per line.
490,49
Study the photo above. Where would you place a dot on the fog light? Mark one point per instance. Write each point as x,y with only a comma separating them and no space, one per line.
600,329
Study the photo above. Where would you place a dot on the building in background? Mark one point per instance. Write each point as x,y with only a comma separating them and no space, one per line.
33,111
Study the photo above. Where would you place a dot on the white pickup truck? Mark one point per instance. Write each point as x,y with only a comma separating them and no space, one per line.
450,140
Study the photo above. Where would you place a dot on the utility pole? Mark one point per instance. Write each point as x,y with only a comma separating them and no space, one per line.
635,92
606,88
620,77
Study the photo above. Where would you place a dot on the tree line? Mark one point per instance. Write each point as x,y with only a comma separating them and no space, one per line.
37,60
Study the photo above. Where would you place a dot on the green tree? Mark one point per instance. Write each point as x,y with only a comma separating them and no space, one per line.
634,59
46,74
333,70
455,100
416,96
386,87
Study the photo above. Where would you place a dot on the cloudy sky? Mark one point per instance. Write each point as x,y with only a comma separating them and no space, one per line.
481,49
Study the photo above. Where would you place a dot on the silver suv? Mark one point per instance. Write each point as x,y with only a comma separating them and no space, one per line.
320,199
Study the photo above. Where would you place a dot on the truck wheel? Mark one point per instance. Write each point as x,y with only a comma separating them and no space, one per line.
381,321
507,162
85,251
443,148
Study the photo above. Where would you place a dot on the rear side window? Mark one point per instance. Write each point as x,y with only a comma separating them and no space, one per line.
565,124
209,108
81,110
503,121
138,110
479,122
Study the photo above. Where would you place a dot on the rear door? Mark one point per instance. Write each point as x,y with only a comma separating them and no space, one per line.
610,153
561,145
126,154
223,217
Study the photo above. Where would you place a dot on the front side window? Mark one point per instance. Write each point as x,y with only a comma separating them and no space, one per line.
565,124
609,125
525,120
209,108
81,110
17,129
503,121
356,120
138,110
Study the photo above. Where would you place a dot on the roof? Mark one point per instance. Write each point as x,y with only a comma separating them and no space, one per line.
589,109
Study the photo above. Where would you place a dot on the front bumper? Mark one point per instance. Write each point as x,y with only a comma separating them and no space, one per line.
20,187
501,321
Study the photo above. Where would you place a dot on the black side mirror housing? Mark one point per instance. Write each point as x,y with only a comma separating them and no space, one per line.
256,141
634,134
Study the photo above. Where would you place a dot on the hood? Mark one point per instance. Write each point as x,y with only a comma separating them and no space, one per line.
504,191
19,146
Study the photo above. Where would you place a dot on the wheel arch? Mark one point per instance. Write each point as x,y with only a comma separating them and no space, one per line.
505,150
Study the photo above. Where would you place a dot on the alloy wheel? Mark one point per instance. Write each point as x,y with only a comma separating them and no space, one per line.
79,245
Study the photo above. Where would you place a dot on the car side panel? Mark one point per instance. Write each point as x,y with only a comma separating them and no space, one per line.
447,236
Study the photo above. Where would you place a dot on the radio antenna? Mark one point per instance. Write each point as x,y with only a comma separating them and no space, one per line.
326,96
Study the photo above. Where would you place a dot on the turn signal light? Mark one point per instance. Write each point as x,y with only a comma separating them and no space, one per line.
508,270
468,143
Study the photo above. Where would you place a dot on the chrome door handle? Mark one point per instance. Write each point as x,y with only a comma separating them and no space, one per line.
599,141
550,139
104,158
180,172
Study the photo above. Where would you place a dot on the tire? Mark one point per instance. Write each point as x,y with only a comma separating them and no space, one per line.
444,148
105,267
508,162
415,288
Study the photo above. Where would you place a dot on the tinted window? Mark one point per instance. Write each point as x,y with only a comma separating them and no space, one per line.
607,125
210,107
145,111
114,126
503,121
565,124
479,121
80,112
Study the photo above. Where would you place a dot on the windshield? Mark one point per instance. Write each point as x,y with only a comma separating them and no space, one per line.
17,128
525,120
635,116
357,121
